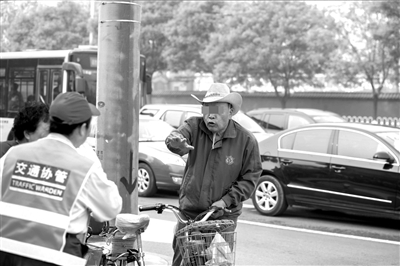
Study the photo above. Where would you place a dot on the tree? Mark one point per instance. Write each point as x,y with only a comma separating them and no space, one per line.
188,35
367,47
390,33
287,45
153,39
49,27
8,13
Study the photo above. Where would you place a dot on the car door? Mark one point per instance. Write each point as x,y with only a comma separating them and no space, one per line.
367,184
305,164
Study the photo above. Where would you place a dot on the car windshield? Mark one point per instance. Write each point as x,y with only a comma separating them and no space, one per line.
248,123
393,137
328,119
154,130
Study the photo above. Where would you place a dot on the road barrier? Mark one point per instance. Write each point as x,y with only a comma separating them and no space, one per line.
384,121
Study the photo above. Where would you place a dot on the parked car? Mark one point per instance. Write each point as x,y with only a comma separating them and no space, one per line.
347,167
158,167
273,120
176,114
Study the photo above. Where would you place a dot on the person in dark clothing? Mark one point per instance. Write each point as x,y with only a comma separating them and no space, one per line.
16,101
31,123
224,161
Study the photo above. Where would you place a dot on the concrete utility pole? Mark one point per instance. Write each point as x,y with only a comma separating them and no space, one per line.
118,96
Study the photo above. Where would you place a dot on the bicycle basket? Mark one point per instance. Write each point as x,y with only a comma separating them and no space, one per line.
206,244
207,226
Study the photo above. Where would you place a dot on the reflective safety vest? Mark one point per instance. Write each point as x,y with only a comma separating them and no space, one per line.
41,182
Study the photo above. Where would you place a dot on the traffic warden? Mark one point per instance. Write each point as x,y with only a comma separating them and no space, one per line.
48,191
224,161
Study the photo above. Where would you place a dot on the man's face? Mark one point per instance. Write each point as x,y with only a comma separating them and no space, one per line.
216,116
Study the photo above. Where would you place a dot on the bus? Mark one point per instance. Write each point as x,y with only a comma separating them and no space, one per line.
41,75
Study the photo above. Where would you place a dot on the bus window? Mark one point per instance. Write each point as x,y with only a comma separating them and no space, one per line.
43,83
49,82
20,86
3,93
56,83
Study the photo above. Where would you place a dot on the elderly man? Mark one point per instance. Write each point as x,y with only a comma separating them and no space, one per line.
47,190
224,160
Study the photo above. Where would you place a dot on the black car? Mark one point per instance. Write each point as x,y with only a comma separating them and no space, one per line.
346,167
273,120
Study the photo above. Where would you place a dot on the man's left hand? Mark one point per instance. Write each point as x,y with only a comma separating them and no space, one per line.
220,204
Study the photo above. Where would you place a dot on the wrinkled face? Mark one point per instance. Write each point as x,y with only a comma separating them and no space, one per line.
216,116
41,131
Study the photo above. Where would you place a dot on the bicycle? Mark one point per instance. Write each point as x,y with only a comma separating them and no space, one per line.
120,250
200,242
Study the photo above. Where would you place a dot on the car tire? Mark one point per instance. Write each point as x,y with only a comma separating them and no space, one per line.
146,181
269,197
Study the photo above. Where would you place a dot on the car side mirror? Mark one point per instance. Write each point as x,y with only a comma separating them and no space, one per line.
382,155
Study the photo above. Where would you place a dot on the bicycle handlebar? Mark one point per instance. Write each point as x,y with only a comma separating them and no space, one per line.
149,208
160,207
179,214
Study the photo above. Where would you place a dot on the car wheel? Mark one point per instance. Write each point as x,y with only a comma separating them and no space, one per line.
268,197
146,181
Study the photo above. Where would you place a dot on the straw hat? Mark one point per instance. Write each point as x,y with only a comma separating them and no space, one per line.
219,92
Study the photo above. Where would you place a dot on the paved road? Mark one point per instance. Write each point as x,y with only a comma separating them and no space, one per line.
310,238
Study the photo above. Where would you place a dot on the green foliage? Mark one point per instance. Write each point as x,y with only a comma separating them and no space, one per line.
153,39
188,34
286,45
49,27
365,44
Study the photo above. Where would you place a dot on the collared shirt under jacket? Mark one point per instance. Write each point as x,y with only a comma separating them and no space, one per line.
227,170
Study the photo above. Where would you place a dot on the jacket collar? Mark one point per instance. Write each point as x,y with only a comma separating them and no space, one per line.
59,137
230,131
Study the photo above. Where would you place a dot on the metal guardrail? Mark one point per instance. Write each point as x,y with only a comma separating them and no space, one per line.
384,121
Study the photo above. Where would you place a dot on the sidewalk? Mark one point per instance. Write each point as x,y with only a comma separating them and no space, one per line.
155,259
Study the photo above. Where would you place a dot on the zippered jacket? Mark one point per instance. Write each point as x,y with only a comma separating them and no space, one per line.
227,170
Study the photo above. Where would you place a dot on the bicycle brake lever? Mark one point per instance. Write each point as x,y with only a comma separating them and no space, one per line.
227,210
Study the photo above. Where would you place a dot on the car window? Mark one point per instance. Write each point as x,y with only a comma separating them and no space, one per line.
173,118
287,141
257,119
276,121
393,137
248,123
257,116
190,114
308,140
356,145
296,121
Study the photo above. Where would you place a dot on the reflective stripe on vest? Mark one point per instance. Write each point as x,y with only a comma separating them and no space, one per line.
41,182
